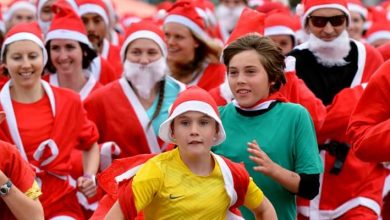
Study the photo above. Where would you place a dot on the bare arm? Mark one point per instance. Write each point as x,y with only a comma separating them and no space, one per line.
21,206
288,179
86,184
115,212
265,210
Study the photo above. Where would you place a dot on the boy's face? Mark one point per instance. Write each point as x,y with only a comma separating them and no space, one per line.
195,133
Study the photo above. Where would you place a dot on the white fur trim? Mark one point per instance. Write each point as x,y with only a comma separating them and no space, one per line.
377,36
290,64
198,31
192,105
146,34
93,8
361,64
336,6
278,30
62,217
51,144
17,6
25,36
68,35
142,116
128,174
106,151
358,8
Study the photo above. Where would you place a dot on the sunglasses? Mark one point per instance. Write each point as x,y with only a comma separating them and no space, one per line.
320,22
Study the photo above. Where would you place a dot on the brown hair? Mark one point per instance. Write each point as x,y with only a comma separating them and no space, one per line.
271,57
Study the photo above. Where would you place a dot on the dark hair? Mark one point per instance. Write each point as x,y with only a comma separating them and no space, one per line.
271,57
88,55
159,102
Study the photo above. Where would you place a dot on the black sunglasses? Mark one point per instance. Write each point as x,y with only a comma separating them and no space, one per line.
319,21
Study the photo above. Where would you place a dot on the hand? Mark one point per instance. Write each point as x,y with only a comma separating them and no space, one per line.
264,164
86,185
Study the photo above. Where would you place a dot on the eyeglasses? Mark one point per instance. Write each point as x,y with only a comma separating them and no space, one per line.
320,22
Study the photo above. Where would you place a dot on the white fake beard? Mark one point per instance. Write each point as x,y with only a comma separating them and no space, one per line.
44,25
145,77
330,53
228,17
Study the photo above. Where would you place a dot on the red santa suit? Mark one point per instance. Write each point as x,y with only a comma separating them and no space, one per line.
50,150
90,86
211,76
103,72
359,184
369,125
16,169
111,53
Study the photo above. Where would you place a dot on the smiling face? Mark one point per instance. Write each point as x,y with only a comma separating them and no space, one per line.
181,43
247,78
194,133
24,62
66,56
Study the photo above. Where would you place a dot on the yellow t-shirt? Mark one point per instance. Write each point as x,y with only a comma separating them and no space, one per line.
165,188
34,192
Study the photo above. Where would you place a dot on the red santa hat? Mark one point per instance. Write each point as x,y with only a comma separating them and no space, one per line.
357,6
94,6
25,31
279,24
192,99
146,30
41,3
17,5
250,22
309,6
184,12
269,6
378,30
66,24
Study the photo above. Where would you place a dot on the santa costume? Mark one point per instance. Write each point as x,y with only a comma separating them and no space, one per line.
349,186
110,105
47,139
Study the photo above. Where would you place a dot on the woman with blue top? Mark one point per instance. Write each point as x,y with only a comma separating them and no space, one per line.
129,111
274,138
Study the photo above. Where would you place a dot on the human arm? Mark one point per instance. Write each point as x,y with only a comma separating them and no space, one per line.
115,212
86,183
265,210
369,124
21,206
288,179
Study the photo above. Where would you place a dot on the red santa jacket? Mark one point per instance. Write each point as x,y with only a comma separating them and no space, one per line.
103,71
359,183
370,125
111,53
212,76
52,158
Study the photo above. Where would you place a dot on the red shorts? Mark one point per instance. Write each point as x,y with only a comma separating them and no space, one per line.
68,206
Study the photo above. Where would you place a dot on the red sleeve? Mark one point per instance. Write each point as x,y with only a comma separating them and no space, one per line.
339,112
15,168
88,131
107,73
369,127
216,94
213,76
